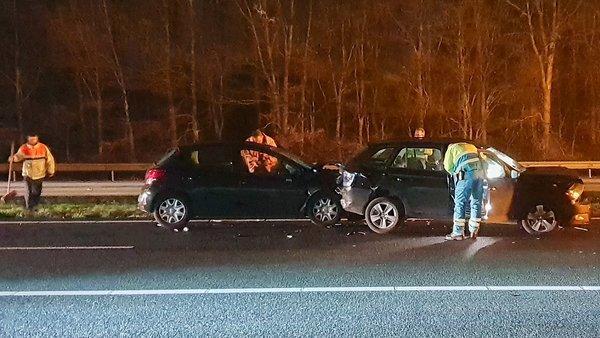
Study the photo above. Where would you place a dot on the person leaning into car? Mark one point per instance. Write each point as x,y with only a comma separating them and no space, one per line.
257,161
463,163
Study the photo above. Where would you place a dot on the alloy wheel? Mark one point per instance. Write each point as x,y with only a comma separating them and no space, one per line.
172,210
325,210
384,215
541,220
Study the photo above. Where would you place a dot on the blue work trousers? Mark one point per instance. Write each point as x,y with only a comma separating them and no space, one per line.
468,191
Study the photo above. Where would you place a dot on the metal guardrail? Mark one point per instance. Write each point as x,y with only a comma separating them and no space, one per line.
111,168
575,165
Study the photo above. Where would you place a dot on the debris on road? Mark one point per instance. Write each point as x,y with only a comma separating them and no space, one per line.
289,236
581,229
356,233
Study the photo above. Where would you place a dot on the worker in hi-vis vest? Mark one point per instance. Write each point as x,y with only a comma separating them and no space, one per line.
38,163
463,163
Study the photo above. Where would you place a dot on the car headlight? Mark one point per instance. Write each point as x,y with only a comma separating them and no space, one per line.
575,191
347,179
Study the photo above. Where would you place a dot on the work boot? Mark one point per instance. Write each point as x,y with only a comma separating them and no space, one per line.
453,237
474,224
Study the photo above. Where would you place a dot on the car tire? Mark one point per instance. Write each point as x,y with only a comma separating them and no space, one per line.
324,209
384,215
172,212
540,220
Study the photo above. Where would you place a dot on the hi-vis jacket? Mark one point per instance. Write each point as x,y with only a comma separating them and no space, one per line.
255,159
460,156
37,161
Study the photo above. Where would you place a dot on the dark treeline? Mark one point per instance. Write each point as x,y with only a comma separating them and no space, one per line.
123,80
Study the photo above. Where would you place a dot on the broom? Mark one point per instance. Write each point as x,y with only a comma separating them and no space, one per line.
9,193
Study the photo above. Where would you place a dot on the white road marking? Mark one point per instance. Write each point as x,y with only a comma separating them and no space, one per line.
24,248
74,293
147,221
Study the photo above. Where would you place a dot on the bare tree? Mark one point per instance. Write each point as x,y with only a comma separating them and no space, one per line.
172,113
544,20
120,77
193,85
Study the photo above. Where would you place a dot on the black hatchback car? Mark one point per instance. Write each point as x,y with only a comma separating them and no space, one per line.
391,181
212,181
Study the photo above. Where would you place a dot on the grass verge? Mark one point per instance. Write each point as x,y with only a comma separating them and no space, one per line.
106,210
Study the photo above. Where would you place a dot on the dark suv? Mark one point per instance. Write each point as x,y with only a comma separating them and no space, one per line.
391,181
212,181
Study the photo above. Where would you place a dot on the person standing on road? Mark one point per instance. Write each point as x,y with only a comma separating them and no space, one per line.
38,163
463,163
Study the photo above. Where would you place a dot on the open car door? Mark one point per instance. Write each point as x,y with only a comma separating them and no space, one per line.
499,188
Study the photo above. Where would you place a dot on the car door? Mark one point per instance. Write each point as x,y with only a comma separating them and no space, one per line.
279,193
499,189
417,176
212,182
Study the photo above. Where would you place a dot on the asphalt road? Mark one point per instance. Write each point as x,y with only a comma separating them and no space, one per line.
295,279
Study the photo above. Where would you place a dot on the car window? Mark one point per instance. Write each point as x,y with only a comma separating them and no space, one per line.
375,158
210,159
419,159
493,167
260,163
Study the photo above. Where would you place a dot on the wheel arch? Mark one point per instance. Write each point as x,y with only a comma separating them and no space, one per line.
166,193
400,202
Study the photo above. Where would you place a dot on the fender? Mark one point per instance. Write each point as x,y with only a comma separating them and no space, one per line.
312,192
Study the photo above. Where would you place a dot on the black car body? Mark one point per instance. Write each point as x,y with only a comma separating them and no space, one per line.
212,181
410,174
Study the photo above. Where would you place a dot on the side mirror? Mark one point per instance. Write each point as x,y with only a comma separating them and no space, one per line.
514,174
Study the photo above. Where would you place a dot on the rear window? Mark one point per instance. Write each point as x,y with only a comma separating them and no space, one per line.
168,157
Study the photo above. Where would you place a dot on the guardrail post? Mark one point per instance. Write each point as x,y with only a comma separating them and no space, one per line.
112,175
14,173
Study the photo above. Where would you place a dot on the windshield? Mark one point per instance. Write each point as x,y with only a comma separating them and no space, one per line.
507,159
292,157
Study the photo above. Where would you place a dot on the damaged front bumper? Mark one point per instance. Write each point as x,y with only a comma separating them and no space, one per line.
355,191
581,214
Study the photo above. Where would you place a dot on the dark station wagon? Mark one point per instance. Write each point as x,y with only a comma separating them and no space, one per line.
391,181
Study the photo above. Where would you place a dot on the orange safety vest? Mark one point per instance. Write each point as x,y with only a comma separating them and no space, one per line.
37,160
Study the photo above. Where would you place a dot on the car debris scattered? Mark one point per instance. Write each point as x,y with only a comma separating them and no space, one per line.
351,233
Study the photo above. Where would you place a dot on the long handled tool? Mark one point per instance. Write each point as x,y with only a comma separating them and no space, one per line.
9,193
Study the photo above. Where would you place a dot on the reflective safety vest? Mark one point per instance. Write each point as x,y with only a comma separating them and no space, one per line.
37,161
258,160
461,156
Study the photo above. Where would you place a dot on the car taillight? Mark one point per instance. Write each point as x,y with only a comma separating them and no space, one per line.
154,175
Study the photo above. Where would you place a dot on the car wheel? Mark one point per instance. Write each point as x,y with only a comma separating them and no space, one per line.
384,215
540,220
324,209
172,212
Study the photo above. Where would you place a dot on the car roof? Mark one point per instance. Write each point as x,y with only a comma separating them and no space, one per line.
224,145
420,142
